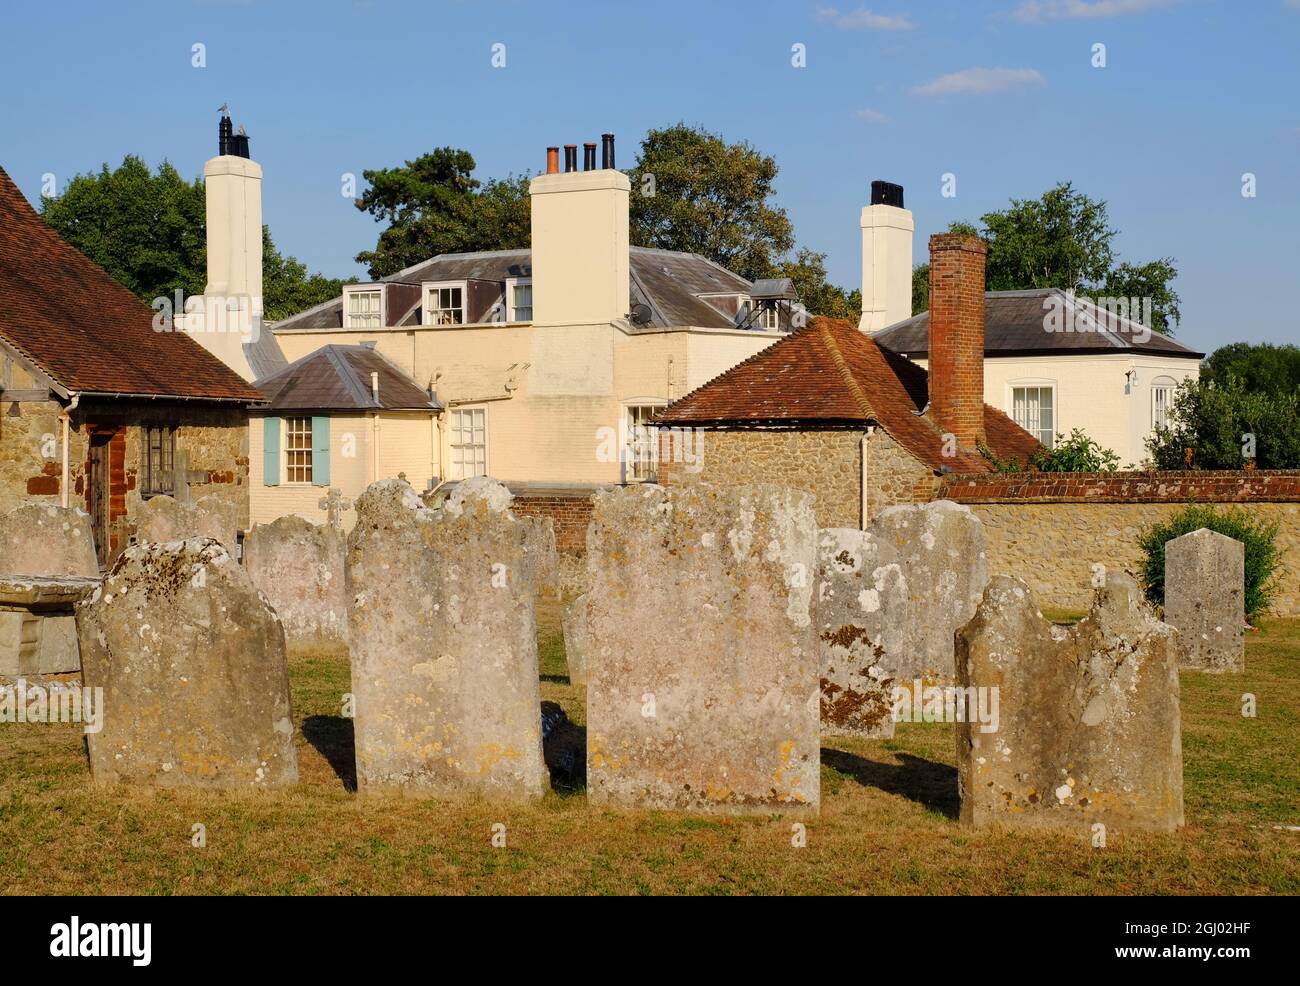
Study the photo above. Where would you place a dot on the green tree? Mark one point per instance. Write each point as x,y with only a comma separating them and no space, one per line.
149,232
1220,423
1261,367
694,192
808,272
1063,239
434,205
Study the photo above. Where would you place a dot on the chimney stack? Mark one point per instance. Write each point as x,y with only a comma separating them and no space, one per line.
607,151
580,242
589,157
886,258
956,364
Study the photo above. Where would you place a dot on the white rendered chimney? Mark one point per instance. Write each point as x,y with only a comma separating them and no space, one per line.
886,258
580,251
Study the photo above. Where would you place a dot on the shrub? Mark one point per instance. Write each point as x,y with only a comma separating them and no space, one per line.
1224,423
1078,453
1259,537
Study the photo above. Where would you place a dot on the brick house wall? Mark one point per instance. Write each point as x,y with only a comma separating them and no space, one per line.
214,439
1049,529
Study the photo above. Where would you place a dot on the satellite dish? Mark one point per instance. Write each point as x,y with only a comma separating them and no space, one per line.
641,314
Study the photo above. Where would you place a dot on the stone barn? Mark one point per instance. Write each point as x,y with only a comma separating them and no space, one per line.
829,411
98,409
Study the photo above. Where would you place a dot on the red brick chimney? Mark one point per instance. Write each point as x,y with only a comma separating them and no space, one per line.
957,335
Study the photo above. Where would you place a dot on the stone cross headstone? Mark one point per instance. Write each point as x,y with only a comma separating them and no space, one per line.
334,504
1205,593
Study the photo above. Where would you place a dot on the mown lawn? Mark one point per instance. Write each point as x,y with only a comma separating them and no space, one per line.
887,823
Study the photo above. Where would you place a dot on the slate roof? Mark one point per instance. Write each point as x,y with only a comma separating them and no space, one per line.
830,373
86,331
1013,326
337,378
666,281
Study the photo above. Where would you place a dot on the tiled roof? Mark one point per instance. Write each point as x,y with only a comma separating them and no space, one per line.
830,373
667,281
1014,326
337,378
85,330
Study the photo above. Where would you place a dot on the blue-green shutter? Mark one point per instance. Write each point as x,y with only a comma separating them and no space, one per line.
271,451
320,451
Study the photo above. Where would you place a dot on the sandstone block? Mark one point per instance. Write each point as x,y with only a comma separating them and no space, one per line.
300,567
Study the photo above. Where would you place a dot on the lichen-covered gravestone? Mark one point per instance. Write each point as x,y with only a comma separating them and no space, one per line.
702,690
940,549
300,568
163,519
1086,729
191,659
53,550
1205,592
42,539
574,625
444,643
862,612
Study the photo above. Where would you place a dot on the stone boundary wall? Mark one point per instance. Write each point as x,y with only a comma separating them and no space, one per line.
1049,529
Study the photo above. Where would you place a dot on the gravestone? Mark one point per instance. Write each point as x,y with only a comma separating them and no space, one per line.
1085,730
163,518
444,644
299,566
702,689
191,660
574,625
1205,593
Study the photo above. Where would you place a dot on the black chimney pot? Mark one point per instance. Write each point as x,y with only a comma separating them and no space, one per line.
570,157
607,150
588,157
887,193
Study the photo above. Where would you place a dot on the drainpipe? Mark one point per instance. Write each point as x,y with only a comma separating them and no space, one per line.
65,418
862,457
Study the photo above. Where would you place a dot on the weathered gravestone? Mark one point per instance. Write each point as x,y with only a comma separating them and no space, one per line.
574,625
1205,593
862,610
444,643
47,563
940,550
191,660
1086,729
162,519
299,566
702,688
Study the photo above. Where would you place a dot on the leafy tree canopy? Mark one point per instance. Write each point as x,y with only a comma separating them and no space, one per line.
1261,367
1063,239
148,231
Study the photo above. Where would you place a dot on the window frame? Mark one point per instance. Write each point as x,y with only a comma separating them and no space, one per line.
286,438
510,307
1039,386
370,289
453,467
635,467
426,311
1169,385
150,485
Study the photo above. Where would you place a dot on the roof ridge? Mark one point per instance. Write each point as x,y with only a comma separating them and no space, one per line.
846,372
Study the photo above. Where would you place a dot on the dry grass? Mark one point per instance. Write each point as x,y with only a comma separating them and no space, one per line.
886,824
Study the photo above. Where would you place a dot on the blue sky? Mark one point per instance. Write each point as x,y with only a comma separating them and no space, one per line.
1003,95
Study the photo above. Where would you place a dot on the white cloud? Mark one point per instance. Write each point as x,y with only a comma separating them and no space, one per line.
864,19
872,116
980,80
1036,11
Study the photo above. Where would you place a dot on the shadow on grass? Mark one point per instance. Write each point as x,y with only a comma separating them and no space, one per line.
555,679
334,740
565,752
926,782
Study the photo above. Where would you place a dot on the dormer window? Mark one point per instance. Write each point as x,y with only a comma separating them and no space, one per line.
444,304
519,298
363,308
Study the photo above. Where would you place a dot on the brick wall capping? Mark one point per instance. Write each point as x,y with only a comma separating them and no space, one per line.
1194,485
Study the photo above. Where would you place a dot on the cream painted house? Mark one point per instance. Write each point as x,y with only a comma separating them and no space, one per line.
1052,362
